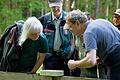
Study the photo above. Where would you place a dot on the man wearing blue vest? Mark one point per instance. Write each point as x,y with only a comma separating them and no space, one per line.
59,40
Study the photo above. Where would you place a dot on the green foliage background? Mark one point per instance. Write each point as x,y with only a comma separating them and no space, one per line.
14,10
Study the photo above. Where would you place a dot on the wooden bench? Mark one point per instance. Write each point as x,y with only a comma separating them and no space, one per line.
41,75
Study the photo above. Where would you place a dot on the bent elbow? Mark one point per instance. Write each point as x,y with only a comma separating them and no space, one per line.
92,63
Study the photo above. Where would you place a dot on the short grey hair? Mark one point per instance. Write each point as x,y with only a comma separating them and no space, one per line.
76,15
31,25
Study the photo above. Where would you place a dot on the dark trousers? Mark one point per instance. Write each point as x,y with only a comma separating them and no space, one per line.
113,64
55,62
98,71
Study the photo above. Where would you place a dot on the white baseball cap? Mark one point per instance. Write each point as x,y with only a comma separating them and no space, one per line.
54,2
117,12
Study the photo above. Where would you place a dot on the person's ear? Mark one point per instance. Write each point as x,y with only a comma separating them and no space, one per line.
77,22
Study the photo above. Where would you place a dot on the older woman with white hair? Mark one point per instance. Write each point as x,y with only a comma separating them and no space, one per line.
32,41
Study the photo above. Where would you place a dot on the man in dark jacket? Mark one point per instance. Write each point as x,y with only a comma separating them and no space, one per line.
59,40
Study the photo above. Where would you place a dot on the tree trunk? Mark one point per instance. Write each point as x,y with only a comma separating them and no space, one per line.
86,6
117,4
78,4
107,9
67,5
97,8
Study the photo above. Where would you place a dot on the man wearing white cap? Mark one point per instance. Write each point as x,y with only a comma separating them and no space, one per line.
116,18
59,40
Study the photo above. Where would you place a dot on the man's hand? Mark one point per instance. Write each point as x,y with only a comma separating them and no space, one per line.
98,60
71,64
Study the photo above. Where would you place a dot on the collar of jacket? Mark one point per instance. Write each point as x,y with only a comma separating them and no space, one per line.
50,18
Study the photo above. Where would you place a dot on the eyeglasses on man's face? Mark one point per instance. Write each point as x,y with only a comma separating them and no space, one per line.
116,16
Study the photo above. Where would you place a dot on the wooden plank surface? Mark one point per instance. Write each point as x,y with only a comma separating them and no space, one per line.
21,76
24,76
77,78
